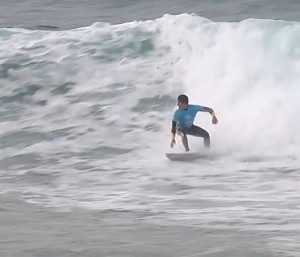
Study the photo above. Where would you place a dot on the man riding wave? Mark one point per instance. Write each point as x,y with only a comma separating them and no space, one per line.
183,120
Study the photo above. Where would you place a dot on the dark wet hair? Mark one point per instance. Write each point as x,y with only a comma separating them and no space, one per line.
183,99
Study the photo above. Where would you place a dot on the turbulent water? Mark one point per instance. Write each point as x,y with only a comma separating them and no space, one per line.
85,123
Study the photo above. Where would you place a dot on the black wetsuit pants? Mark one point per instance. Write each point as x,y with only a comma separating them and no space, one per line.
197,132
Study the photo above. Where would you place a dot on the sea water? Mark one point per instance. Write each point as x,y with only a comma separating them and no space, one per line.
85,124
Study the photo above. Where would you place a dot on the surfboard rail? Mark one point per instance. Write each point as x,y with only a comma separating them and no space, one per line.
186,156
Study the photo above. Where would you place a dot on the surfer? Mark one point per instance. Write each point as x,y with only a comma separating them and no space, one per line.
183,119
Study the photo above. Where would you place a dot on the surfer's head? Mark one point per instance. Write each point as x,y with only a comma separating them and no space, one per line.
182,101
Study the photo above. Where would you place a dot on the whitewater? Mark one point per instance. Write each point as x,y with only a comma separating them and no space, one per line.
86,117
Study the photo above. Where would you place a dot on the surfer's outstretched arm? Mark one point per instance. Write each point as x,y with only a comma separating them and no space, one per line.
212,113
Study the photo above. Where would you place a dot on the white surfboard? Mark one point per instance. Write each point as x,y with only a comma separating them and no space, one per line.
187,156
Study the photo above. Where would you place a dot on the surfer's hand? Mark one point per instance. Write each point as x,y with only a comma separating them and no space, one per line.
173,141
214,118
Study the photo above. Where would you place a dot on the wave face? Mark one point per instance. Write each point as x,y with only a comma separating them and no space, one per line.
97,101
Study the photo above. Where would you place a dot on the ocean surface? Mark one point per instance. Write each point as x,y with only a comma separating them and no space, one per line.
87,94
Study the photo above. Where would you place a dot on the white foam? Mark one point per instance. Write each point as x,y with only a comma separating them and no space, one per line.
248,72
